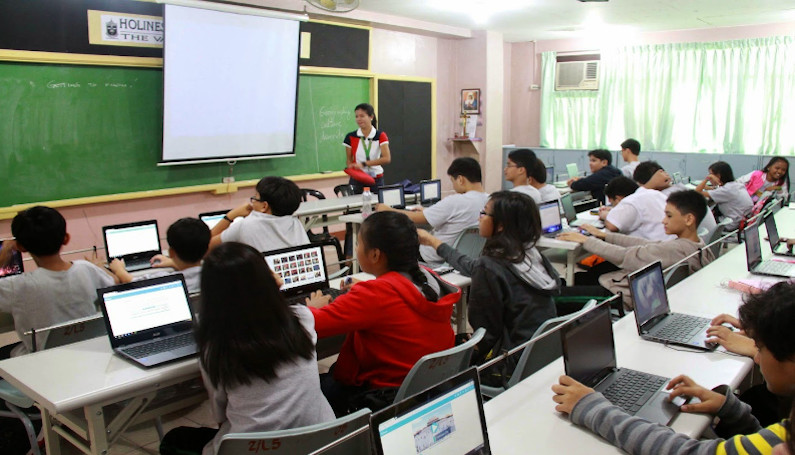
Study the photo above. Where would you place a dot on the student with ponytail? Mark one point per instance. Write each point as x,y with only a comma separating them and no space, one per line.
391,321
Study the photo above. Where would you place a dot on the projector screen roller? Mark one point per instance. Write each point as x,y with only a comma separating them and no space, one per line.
230,86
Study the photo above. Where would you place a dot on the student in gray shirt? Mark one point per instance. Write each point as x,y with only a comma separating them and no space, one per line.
730,195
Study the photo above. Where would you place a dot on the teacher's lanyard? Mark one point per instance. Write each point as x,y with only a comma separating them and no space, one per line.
367,144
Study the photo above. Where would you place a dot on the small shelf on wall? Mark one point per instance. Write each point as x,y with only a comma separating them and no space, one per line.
466,139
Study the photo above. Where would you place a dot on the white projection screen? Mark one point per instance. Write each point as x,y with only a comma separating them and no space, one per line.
230,86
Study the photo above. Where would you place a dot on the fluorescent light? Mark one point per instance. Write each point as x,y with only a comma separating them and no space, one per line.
479,10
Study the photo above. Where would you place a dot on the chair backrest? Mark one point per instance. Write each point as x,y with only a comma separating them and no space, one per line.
434,368
546,348
68,332
305,439
305,194
469,242
712,242
676,273
344,190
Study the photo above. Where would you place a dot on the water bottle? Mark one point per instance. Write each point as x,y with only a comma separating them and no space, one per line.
367,202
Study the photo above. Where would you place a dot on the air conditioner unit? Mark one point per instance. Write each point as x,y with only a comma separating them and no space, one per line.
577,72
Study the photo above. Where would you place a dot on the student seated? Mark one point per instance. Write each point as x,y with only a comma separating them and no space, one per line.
773,178
391,321
683,213
538,180
268,222
601,173
630,149
188,239
728,194
512,283
768,318
58,290
639,214
256,354
452,214
520,165
616,191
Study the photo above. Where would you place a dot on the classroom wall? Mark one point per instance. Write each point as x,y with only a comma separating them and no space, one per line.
526,109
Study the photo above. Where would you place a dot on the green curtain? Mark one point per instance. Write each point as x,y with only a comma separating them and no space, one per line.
722,97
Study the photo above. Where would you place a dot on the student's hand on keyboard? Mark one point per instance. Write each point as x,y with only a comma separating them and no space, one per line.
724,318
347,283
568,393
117,265
318,300
159,261
732,341
593,230
572,237
683,386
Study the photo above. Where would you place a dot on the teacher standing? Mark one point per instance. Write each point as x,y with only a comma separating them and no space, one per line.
367,148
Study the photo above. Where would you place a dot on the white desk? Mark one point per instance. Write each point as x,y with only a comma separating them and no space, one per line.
311,212
536,424
75,385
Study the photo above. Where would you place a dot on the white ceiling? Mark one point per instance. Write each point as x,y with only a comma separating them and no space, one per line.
526,20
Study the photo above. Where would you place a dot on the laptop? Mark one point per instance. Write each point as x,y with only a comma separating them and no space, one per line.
776,246
753,255
14,266
303,270
572,170
430,192
551,222
393,196
444,419
149,321
653,315
136,243
550,174
212,218
589,356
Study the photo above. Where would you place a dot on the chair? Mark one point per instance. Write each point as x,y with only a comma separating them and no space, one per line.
712,242
306,439
324,238
17,404
469,242
434,368
676,273
68,332
342,191
544,348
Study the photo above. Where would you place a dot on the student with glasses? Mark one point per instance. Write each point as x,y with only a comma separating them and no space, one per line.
266,220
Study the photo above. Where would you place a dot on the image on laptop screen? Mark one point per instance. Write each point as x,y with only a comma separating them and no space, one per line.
449,424
550,217
550,174
14,267
430,191
123,241
298,267
133,311
648,292
212,218
391,196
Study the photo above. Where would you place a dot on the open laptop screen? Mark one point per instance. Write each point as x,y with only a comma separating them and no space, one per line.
550,217
447,423
135,310
772,230
298,267
550,174
126,240
753,249
392,196
647,287
588,346
430,191
212,218
14,267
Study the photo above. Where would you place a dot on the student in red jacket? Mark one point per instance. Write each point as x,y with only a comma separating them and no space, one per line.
391,321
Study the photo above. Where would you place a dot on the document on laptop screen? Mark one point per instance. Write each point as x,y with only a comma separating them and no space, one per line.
298,268
131,240
140,309
431,190
391,197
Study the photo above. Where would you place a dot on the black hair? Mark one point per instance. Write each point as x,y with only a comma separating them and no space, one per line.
369,109
645,171
467,167
247,328
539,172
525,158
520,222
40,230
689,202
768,318
282,195
396,236
602,154
620,186
633,146
774,160
189,237
723,170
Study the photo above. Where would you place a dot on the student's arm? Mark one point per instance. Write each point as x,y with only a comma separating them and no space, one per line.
416,216
120,273
224,223
485,305
622,218
355,310
456,259
701,188
385,158
626,240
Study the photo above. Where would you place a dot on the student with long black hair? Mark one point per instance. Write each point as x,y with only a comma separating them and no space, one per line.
257,354
729,195
512,283
391,321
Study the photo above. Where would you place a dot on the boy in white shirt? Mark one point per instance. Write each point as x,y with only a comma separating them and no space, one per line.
638,214
732,199
188,239
450,216
538,180
267,219
630,149
518,170
58,290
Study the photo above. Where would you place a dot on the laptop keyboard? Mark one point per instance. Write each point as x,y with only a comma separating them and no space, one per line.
681,328
774,268
161,345
136,264
632,389
301,299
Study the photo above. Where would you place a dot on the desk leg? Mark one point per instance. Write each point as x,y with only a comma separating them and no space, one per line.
461,312
52,442
571,264
95,418
355,240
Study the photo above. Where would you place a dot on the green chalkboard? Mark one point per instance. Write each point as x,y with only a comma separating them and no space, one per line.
74,131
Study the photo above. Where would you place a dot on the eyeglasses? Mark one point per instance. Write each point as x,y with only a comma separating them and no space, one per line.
252,199
485,213
511,165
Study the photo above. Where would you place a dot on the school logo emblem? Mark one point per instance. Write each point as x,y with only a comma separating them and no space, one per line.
111,29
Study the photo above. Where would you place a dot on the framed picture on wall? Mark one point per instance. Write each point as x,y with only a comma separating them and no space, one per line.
470,101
